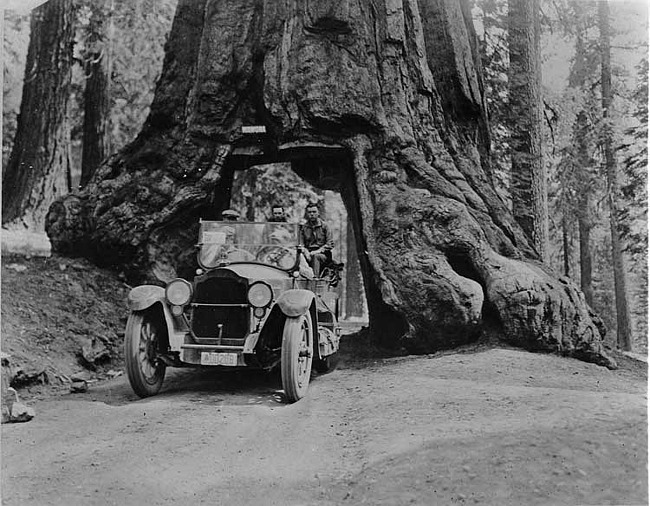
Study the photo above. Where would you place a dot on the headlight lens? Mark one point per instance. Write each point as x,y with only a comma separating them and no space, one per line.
178,292
260,294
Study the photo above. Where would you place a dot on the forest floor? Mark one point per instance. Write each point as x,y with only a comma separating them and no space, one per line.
478,425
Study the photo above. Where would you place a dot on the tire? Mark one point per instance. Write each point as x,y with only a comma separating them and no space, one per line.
142,337
297,354
327,364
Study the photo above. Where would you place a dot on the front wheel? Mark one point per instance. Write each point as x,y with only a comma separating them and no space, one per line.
297,353
142,337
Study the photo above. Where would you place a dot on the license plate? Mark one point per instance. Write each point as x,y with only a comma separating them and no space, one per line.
212,358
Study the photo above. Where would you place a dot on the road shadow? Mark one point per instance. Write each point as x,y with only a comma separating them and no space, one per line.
203,385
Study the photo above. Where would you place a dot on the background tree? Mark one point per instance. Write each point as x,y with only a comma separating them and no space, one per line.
623,324
528,184
386,104
96,96
15,42
134,41
633,213
492,18
38,170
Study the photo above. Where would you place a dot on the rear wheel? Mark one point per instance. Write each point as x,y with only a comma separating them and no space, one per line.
297,353
144,370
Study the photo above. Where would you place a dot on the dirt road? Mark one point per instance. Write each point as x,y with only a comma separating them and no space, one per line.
496,426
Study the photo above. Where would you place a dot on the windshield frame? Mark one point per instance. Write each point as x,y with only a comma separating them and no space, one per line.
222,243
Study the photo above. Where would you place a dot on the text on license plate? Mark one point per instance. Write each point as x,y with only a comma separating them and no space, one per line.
212,358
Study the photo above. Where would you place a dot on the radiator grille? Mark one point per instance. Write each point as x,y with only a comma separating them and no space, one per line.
206,319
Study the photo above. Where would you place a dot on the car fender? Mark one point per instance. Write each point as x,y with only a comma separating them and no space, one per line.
145,296
295,302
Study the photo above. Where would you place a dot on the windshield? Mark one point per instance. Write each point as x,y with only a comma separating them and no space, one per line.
222,242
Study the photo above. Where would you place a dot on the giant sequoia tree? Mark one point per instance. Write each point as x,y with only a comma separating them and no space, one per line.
38,170
382,100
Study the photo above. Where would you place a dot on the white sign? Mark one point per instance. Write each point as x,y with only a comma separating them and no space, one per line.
253,129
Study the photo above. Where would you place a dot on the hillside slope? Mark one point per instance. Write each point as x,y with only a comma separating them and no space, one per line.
60,316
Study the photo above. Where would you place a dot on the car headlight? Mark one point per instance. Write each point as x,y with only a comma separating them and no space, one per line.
178,292
260,294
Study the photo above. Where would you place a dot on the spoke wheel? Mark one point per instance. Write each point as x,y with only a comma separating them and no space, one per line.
297,353
144,370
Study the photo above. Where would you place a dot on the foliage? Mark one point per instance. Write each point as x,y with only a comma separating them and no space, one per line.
490,16
634,215
262,186
140,29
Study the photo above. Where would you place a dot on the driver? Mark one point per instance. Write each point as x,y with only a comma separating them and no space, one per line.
316,239
230,215
232,251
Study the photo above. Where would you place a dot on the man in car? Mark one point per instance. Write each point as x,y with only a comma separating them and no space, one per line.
316,239
277,214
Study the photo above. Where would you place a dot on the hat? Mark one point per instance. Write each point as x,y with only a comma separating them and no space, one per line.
230,213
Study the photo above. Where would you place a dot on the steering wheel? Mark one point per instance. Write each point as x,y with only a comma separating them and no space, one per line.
277,255
239,255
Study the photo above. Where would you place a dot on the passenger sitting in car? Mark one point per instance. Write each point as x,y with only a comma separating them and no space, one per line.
286,255
316,239
277,214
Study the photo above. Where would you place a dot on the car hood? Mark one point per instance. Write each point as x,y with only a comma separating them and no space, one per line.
257,271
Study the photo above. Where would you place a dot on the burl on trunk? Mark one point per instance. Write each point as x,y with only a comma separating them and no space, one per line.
380,99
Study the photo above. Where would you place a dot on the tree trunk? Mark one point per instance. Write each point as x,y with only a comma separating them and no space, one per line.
584,232
582,165
566,246
96,94
623,324
354,302
250,189
382,100
38,171
528,182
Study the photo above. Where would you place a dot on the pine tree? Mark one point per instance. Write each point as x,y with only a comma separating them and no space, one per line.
96,97
623,322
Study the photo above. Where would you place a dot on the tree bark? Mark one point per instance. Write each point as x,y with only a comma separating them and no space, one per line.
623,324
353,281
584,232
583,187
38,171
528,181
96,94
566,246
380,100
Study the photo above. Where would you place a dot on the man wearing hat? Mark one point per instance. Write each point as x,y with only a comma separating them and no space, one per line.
230,215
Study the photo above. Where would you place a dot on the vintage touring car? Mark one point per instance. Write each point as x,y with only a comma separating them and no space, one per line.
253,303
